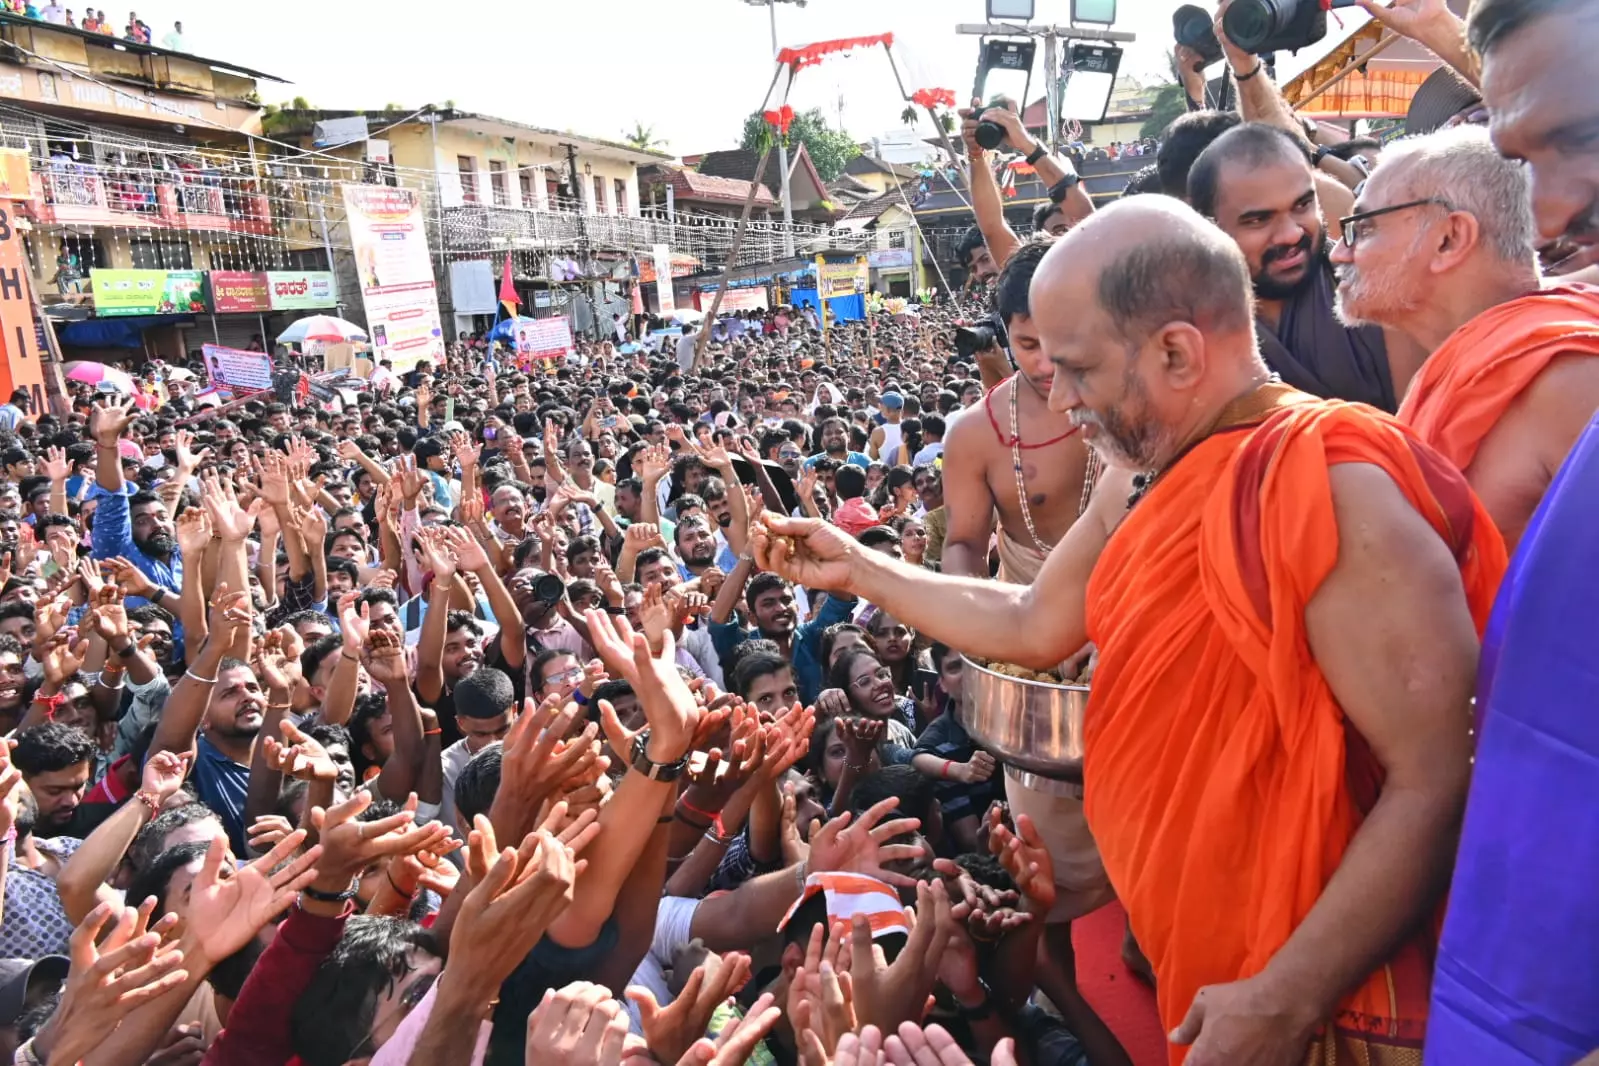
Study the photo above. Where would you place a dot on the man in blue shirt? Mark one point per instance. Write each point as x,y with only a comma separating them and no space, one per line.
135,526
835,445
770,600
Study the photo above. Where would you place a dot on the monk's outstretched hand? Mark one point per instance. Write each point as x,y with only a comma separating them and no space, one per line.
806,551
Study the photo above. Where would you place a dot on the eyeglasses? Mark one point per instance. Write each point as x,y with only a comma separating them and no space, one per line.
882,673
1351,225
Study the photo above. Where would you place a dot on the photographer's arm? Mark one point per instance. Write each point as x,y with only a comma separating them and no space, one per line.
1076,204
987,203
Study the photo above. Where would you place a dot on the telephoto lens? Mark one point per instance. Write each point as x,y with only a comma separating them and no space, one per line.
989,134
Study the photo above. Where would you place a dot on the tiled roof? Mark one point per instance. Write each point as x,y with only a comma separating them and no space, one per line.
691,185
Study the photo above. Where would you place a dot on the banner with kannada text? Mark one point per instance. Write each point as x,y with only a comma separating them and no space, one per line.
147,292
297,290
389,239
236,369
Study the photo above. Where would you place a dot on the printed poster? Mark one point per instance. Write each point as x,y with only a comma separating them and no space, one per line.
389,238
543,338
663,278
235,369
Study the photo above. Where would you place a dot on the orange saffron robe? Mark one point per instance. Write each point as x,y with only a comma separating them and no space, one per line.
1221,779
1465,387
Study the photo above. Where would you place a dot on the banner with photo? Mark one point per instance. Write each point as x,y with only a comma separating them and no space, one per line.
543,338
388,236
237,370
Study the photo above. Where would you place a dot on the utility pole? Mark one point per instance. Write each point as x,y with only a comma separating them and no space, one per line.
782,154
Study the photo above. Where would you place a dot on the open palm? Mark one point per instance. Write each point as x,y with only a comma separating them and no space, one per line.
226,911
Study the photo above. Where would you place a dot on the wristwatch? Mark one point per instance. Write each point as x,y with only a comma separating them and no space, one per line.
1058,191
1036,154
655,771
1322,152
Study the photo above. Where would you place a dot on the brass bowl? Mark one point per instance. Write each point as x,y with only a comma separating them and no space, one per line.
1028,725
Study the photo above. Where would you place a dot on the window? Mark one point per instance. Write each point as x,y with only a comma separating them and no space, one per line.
524,181
499,184
621,195
555,191
153,253
599,195
468,169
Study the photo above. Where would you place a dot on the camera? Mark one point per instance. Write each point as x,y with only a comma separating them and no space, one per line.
1261,26
549,589
1192,26
980,336
990,134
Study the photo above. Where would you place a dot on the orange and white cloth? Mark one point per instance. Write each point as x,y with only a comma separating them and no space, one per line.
852,894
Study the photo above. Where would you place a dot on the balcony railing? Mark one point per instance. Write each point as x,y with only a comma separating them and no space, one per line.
482,229
89,195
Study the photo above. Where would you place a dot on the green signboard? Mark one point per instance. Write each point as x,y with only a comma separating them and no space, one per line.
148,292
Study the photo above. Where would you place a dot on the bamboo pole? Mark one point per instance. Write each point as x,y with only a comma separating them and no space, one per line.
738,234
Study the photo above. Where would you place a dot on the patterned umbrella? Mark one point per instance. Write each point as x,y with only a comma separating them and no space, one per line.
323,328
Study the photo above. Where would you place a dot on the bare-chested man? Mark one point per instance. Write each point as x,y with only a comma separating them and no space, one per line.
1441,248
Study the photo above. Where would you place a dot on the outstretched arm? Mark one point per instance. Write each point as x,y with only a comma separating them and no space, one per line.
1035,625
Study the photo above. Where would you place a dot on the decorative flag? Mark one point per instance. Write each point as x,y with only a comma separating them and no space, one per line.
780,120
508,295
811,54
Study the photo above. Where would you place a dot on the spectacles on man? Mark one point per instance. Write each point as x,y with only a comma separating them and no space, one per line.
1353,224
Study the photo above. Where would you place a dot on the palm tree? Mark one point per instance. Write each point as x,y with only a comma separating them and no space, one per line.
643,138
909,116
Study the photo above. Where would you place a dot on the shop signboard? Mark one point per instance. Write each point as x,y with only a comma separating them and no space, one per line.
389,238
238,292
890,258
298,290
147,292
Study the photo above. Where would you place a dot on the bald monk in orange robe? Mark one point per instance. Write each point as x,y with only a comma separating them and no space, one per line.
1288,603
1510,381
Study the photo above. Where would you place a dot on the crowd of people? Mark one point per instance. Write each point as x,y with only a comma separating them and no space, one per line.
93,21
604,712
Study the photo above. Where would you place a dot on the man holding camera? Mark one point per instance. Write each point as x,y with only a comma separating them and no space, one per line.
1069,201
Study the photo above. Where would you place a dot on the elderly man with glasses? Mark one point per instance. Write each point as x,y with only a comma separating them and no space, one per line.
1441,250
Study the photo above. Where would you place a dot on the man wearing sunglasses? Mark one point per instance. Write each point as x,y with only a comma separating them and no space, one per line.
1256,183
1440,247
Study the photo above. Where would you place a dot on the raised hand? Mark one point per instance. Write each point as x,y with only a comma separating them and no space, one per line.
653,463
355,625
410,479
230,521
108,616
65,656
672,1030
187,459
736,1043
279,658
1420,20
266,831
10,788
109,418
225,913
230,613
1026,858
886,995
436,554
299,756
863,846
668,705
469,554
535,760
109,979
163,775
194,536
519,892
56,467
350,846
385,659
578,1025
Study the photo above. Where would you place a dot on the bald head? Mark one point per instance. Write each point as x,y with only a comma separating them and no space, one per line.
1146,312
1157,261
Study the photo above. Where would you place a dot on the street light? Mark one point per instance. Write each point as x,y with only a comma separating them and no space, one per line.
782,152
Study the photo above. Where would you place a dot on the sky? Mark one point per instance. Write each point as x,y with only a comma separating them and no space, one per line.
690,70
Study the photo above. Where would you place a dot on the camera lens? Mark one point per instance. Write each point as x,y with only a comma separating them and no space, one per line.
549,588
1251,23
990,135
1193,27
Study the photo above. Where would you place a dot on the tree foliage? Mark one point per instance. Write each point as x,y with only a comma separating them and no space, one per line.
643,138
830,150
1170,104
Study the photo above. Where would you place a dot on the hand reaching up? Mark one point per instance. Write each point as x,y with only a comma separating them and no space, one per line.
670,1031
668,705
224,913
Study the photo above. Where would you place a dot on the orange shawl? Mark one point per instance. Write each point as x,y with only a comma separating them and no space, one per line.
1465,387
1221,781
